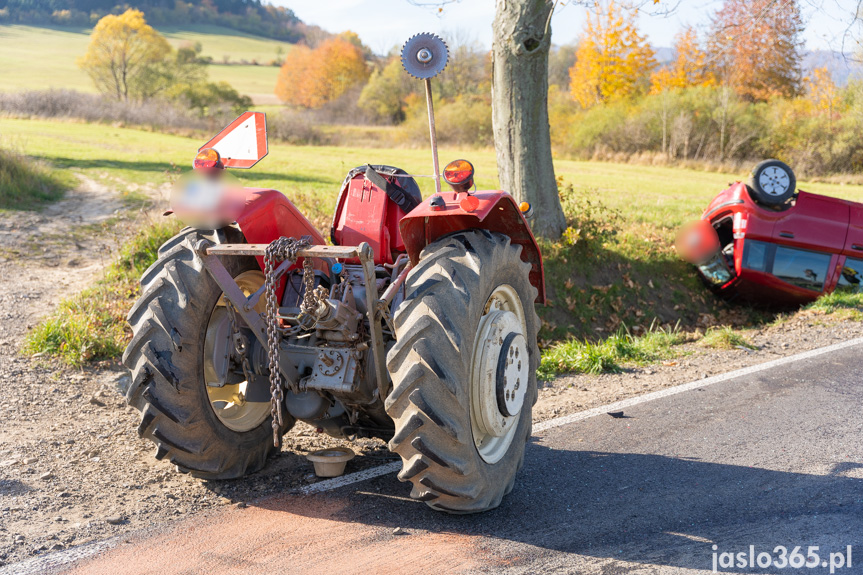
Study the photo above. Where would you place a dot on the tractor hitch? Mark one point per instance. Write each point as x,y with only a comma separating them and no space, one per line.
244,305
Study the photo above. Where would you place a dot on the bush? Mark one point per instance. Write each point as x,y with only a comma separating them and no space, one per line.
712,124
466,120
590,223
295,127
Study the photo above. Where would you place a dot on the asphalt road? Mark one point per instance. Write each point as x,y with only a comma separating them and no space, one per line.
769,459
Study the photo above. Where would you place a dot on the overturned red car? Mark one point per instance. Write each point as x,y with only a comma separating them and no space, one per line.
764,242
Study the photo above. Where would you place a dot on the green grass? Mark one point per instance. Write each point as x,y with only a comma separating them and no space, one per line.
610,354
841,304
26,184
39,58
91,325
622,270
725,337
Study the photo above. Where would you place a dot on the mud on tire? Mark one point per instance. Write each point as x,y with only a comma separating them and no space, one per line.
166,357
430,365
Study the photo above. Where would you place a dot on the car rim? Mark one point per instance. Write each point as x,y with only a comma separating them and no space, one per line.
774,181
499,375
228,401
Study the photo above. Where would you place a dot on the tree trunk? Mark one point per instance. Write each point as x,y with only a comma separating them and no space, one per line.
522,37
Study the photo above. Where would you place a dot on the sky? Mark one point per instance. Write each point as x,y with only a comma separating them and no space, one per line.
383,24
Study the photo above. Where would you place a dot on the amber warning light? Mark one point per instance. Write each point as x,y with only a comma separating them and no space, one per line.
459,175
207,159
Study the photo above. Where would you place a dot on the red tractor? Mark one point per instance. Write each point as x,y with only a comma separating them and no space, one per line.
414,324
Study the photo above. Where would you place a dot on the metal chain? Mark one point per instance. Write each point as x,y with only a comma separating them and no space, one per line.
309,283
281,249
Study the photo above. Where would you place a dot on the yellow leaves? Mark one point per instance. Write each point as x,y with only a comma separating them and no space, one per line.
822,91
613,60
121,47
311,78
687,70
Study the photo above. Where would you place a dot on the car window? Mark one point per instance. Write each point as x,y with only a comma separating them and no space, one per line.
851,280
800,267
755,255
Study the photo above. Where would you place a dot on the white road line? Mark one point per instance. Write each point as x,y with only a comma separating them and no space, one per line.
343,480
60,558
620,405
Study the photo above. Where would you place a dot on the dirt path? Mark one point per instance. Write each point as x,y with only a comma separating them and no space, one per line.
72,468
62,246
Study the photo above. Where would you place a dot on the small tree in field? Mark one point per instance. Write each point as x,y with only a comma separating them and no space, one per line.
384,96
311,78
122,49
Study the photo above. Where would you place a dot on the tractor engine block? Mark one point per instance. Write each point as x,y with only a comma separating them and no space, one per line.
337,387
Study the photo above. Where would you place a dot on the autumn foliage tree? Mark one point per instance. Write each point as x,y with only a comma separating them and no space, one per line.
123,49
687,70
613,60
756,48
311,78
822,91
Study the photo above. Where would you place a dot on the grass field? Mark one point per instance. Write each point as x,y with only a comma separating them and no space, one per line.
622,273
36,58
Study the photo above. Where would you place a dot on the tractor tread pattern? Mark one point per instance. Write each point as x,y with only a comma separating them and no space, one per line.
168,324
430,365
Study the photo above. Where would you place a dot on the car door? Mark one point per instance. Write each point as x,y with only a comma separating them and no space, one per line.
815,223
854,239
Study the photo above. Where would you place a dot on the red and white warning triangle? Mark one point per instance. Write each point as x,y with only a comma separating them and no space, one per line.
243,143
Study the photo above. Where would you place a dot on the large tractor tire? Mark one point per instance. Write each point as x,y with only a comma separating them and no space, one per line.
179,324
464,371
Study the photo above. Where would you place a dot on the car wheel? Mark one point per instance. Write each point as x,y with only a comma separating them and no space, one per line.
772,183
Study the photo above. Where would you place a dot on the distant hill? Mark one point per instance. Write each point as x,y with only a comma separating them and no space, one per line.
842,67
251,16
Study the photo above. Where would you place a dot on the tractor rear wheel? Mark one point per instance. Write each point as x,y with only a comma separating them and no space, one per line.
464,371
181,338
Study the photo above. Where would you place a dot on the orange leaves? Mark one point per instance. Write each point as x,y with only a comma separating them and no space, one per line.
756,45
311,78
613,60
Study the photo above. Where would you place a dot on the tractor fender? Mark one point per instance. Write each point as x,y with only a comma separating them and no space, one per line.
496,211
268,215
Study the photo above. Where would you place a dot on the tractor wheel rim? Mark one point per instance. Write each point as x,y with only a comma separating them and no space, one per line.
228,402
500,370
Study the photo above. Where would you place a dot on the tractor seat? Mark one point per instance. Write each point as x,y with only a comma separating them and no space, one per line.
366,213
389,172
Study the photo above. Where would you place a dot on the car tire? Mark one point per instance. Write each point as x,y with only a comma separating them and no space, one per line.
772,183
